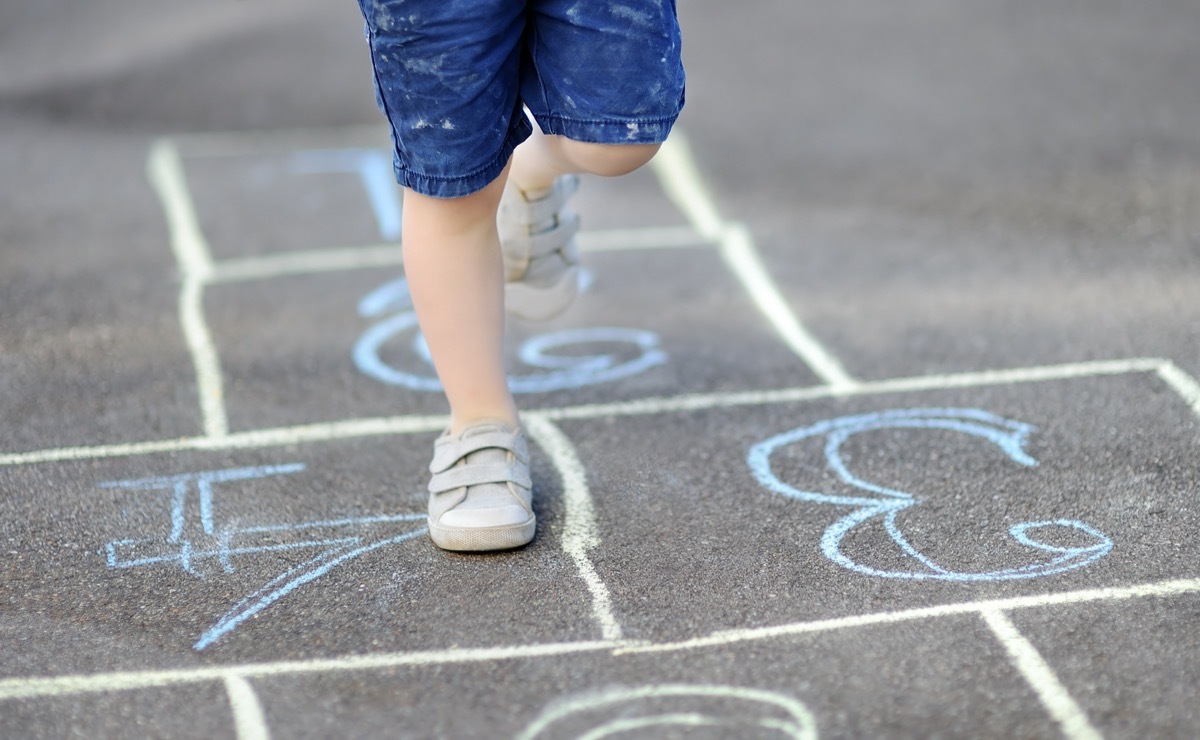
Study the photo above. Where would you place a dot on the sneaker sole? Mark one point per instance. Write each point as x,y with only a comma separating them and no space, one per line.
483,539
539,303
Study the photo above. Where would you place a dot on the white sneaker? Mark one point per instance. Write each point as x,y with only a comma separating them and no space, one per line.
541,259
480,495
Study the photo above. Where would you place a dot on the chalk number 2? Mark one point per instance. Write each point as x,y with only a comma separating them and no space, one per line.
556,371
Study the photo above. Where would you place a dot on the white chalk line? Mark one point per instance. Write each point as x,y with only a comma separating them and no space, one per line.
250,440
305,262
320,261
367,427
580,535
237,144
1160,589
165,171
737,248
1041,677
1183,384
703,402
680,179
641,239
33,687
28,688
248,719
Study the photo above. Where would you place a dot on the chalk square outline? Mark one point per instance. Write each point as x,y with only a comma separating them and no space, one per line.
167,172
797,398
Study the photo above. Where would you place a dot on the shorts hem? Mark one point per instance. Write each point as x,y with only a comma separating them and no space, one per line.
608,131
458,186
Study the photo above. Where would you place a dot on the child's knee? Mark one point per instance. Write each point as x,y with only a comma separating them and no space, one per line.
609,160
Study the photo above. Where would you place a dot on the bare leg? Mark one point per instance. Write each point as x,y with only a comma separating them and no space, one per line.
456,275
538,231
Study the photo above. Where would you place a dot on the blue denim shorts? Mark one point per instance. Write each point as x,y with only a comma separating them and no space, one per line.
453,78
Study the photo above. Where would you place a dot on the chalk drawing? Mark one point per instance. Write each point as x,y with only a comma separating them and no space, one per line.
191,542
374,168
737,711
199,270
562,371
887,503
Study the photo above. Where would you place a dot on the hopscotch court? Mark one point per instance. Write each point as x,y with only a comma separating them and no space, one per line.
652,581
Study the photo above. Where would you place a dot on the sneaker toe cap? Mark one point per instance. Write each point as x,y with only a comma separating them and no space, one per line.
499,516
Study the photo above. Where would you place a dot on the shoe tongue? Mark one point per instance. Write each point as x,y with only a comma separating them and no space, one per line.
486,428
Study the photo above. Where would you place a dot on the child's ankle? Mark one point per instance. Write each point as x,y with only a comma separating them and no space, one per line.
458,426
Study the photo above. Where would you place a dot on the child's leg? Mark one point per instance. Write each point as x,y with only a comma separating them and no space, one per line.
538,229
447,75
480,492
541,158
600,72
454,269
456,275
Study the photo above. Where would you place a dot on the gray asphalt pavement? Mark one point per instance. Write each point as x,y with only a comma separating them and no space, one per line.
879,418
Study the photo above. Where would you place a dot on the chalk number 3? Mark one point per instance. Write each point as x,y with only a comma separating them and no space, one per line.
883,505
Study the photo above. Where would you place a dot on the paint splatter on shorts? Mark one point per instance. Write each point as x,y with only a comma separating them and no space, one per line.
453,77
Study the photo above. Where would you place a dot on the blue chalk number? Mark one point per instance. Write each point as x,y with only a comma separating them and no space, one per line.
883,505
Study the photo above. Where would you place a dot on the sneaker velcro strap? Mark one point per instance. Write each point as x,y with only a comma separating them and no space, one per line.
473,475
545,242
530,212
446,455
